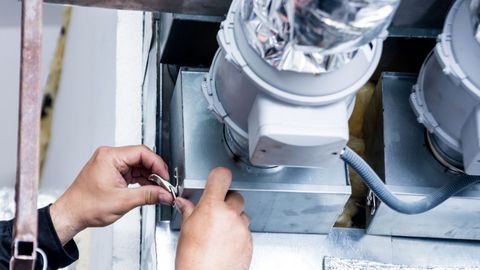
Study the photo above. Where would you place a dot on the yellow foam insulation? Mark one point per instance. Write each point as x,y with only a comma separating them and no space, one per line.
356,203
51,89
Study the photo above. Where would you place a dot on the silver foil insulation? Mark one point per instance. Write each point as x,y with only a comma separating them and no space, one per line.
334,263
313,36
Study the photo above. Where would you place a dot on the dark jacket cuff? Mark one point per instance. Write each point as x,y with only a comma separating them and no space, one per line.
58,256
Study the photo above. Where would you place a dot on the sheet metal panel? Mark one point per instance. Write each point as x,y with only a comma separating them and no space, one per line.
290,200
410,171
306,251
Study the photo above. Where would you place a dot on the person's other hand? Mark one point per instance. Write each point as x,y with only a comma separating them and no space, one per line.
214,233
99,195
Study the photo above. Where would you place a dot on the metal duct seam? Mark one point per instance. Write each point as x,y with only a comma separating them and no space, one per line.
313,36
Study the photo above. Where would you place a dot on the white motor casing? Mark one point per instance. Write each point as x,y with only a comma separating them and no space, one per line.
297,136
446,98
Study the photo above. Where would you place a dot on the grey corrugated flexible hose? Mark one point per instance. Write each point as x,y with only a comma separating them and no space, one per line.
430,201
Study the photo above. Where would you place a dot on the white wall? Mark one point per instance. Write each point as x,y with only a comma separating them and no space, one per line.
84,114
10,12
128,129
99,103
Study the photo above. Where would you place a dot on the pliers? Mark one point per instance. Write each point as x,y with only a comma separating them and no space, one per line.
165,184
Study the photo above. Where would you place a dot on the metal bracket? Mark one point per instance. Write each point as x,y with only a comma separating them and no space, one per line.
175,176
198,7
372,202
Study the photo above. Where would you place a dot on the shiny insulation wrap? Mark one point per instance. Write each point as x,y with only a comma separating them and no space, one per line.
334,263
313,36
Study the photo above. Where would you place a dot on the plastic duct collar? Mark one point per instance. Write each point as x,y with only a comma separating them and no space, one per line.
313,36
475,9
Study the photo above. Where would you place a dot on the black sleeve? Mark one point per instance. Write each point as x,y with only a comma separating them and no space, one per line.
58,256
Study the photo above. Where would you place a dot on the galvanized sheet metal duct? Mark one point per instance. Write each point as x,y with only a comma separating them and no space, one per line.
313,36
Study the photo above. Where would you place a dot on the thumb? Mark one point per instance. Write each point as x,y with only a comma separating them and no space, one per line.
150,194
185,207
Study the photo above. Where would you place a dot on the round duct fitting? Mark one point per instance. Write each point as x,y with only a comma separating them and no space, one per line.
447,93
283,117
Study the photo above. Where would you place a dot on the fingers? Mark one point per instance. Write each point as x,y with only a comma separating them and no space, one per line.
235,201
217,185
148,195
185,207
245,219
131,156
140,172
138,175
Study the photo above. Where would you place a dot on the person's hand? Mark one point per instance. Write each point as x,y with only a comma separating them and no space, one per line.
214,233
99,195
